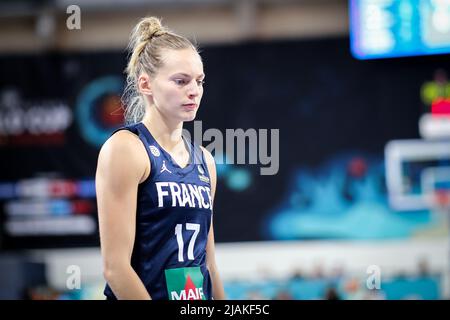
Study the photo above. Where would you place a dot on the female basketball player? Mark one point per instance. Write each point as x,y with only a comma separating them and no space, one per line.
155,189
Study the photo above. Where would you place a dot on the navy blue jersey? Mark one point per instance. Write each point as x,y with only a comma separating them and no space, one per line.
173,217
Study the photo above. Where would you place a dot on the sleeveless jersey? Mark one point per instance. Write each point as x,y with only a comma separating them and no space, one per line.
173,218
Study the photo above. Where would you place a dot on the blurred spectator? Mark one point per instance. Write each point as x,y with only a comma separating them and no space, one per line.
318,272
265,272
284,295
354,290
297,274
256,295
332,294
42,293
337,272
424,269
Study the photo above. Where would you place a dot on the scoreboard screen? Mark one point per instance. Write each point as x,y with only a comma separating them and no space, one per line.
399,28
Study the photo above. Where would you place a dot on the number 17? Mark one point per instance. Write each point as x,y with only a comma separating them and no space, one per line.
179,233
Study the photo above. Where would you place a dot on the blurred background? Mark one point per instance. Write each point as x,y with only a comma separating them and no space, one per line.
358,89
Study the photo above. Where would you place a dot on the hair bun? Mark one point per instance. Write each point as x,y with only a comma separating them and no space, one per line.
150,27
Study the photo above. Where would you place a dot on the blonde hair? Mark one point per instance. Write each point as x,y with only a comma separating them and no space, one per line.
147,41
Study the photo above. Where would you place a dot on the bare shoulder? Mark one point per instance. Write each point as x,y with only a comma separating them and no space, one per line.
123,144
124,151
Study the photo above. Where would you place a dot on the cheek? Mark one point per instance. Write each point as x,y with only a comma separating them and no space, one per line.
171,94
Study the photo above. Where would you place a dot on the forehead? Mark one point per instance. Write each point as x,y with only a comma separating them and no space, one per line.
181,61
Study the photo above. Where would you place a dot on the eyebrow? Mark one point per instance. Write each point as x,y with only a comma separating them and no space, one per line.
187,75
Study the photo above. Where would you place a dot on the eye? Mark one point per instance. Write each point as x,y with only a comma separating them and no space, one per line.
200,82
180,82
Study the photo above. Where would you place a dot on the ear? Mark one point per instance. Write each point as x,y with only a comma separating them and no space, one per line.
144,85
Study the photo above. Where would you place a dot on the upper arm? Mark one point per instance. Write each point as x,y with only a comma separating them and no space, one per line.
121,166
210,247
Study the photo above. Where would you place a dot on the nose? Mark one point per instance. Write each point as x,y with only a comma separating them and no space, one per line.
193,90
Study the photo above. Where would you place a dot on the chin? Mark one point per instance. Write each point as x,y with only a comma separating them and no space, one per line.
189,117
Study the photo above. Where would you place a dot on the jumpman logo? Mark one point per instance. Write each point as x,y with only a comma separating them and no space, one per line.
164,168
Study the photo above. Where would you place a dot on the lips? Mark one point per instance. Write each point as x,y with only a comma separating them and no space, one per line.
190,106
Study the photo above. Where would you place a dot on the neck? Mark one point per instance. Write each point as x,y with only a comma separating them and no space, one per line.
167,133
